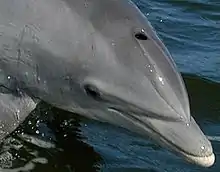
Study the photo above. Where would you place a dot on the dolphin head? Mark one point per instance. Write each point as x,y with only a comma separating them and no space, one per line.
130,80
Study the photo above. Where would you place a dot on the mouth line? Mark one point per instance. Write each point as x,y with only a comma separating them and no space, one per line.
168,143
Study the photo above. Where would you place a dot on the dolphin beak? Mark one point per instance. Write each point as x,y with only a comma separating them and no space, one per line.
185,139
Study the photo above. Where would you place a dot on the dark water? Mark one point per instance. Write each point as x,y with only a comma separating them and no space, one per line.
191,31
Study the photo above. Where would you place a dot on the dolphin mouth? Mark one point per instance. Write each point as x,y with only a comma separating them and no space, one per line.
206,159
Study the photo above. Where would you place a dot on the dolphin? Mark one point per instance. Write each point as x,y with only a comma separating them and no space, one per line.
101,59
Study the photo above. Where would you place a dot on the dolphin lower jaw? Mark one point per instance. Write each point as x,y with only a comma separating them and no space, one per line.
145,128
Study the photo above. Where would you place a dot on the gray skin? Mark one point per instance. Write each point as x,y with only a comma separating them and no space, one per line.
100,59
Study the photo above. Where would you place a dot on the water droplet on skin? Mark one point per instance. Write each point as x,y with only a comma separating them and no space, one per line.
148,14
187,124
150,68
64,135
42,134
38,78
12,24
35,38
29,123
9,77
161,80
37,132
161,20
86,4
17,114
26,73
202,147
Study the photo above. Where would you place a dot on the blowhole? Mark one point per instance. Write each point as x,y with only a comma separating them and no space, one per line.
141,36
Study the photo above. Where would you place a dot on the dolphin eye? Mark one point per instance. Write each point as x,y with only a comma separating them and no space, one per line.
92,92
141,36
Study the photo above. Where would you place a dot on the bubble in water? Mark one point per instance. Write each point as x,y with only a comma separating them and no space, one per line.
65,123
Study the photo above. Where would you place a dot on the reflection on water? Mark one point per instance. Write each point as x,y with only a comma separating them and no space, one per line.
52,140
49,140
204,98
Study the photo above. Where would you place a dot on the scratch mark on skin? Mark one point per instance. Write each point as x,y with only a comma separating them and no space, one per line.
37,74
29,30
20,40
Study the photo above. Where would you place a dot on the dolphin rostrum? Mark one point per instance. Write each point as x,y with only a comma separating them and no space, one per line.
100,59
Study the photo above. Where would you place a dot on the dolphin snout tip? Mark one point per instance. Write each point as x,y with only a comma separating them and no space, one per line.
206,161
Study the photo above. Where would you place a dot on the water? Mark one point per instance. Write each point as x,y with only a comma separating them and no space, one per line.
191,31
